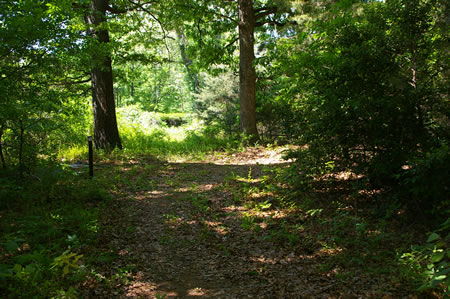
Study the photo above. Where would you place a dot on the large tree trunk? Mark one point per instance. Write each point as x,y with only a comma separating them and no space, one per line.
247,74
106,133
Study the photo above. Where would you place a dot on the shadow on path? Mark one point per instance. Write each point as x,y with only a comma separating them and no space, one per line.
181,230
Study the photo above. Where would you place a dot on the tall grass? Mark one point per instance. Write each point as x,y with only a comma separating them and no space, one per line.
145,132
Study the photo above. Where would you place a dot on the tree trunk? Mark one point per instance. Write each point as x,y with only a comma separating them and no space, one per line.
2,158
21,140
106,133
247,73
187,62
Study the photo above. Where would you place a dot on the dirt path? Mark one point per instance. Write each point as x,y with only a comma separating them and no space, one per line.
181,230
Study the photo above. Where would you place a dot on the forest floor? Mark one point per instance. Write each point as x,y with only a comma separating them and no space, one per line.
222,228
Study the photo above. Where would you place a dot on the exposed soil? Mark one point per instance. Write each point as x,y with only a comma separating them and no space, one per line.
176,230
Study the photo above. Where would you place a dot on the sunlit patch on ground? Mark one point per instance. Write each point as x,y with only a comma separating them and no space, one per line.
211,229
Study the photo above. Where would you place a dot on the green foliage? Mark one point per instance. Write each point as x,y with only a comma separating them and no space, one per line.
218,102
160,296
67,262
160,89
35,50
426,182
361,86
367,89
432,261
46,222
249,223
284,235
199,202
148,132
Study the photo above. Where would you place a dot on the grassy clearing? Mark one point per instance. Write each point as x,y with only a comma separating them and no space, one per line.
145,133
169,136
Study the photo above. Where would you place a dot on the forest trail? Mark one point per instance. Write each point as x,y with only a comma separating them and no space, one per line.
182,230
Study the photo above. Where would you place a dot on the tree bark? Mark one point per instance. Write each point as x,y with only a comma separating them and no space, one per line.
187,62
2,158
247,73
21,142
106,133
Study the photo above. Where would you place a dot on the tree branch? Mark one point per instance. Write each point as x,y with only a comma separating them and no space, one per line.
67,83
226,47
275,23
144,9
79,6
224,16
116,10
265,11
233,20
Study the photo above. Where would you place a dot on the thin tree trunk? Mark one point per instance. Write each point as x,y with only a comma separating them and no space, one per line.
106,133
21,141
247,73
187,62
1,148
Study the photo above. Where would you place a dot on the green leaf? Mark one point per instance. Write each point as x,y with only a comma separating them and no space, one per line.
433,237
17,268
11,245
437,257
30,269
440,277
5,271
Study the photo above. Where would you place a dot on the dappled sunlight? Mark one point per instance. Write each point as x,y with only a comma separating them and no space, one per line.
252,156
233,208
217,227
343,176
154,194
143,290
330,251
198,188
206,229
197,292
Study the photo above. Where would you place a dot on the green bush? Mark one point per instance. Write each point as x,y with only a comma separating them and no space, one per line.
432,261
369,93
218,102
426,183
48,221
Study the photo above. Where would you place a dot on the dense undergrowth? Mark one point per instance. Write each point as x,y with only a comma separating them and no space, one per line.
50,215
49,224
51,218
